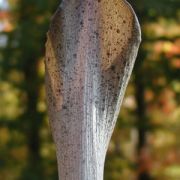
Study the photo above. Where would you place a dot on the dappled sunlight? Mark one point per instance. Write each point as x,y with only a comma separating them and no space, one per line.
9,103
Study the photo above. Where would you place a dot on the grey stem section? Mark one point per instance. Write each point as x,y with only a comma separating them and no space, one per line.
90,53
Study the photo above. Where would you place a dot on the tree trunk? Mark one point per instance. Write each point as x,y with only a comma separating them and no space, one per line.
90,53
144,159
33,120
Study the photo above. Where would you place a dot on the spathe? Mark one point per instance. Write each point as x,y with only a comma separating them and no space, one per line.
90,54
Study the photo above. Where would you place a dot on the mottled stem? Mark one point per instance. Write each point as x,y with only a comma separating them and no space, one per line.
90,53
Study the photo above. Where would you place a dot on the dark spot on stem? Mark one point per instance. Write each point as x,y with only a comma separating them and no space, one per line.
113,68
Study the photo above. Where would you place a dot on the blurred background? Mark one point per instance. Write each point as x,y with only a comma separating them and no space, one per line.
146,142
